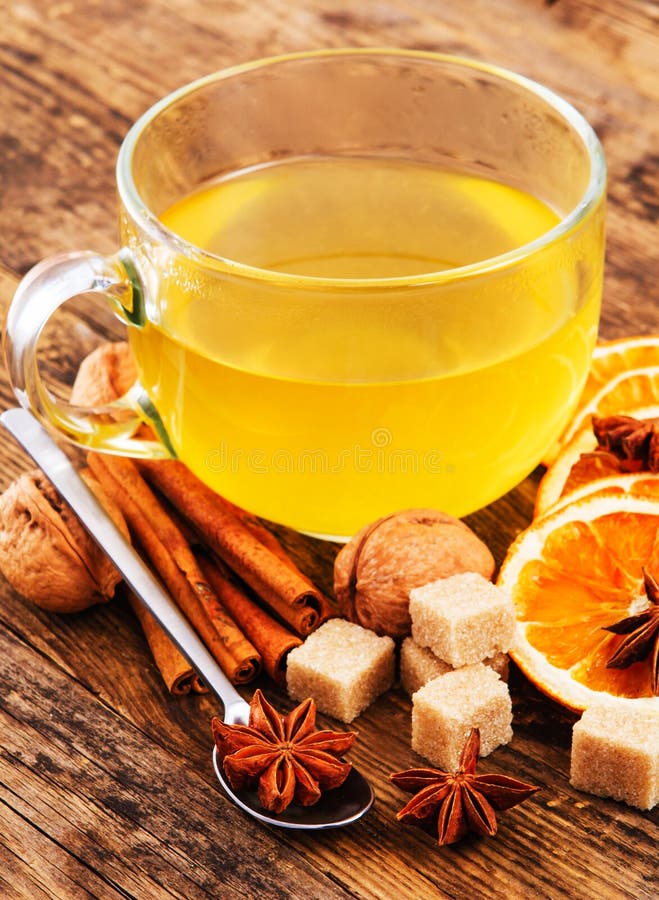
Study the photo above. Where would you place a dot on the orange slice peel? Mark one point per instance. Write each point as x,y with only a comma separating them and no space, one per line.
610,360
571,573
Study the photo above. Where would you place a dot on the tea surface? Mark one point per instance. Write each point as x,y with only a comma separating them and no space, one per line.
324,407
358,218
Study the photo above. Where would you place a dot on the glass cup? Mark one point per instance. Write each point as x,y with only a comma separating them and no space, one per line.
354,281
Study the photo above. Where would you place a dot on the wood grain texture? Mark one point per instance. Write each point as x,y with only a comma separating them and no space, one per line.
106,784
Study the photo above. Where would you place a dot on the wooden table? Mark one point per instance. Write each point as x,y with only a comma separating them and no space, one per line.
106,784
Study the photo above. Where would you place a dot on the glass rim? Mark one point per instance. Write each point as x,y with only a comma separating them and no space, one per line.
148,221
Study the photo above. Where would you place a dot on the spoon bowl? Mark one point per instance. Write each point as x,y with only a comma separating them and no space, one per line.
337,807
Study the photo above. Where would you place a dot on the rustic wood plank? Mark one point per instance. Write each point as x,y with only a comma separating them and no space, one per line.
94,783
35,866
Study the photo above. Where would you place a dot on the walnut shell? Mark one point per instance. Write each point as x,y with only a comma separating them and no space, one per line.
46,554
106,374
375,572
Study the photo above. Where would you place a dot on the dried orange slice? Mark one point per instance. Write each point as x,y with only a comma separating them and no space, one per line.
610,359
561,476
636,484
632,393
553,482
571,573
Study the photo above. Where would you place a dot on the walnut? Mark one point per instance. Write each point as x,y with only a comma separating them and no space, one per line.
375,572
46,554
104,375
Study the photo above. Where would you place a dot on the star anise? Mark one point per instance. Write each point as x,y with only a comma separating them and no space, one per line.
283,755
635,442
459,802
642,635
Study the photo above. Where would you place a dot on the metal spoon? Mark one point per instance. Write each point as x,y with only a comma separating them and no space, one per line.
336,807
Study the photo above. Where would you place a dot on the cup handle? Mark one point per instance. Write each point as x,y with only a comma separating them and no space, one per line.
40,294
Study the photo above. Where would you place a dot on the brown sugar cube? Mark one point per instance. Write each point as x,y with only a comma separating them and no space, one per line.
500,664
462,619
615,753
343,666
446,709
419,664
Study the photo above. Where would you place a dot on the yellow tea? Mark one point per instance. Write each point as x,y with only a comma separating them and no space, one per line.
319,400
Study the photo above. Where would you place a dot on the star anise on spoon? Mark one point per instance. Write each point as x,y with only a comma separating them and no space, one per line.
641,635
283,756
462,801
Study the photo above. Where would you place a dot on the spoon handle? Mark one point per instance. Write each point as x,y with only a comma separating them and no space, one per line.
56,465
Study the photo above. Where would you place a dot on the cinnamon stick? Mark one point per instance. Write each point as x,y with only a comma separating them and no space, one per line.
104,375
270,638
176,671
283,588
269,540
174,562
